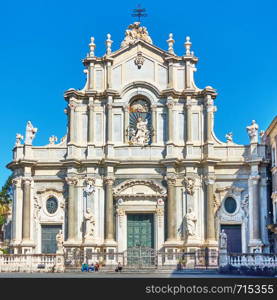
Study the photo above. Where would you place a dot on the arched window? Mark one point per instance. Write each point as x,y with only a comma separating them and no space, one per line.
52,205
140,123
230,205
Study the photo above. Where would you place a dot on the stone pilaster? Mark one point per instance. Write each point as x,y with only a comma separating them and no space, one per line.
170,105
16,213
170,74
109,209
126,123
154,123
210,234
171,210
254,213
209,118
109,120
90,122
188,106
72,106
109,74
26,211
90,75
72,210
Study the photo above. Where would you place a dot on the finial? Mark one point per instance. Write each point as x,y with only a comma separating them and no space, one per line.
91,47
170,43
229,137
188,45
109,44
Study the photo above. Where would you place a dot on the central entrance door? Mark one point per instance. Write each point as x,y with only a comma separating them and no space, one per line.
140,230
48,238
140,240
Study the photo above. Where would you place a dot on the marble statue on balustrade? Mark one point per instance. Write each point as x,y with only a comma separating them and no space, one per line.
223,240
191,222
30,133
60,241
252,131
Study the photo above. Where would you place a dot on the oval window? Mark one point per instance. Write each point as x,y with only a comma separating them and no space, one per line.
52,205
230,205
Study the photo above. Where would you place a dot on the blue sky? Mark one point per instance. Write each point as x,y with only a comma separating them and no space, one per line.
42,44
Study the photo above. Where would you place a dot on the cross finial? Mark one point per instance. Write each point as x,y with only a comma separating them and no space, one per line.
139,12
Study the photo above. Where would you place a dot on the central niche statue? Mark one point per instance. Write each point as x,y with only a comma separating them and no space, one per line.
139,130
90,222
191,222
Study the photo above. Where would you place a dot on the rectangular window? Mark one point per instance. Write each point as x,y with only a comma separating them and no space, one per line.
195,126
117,128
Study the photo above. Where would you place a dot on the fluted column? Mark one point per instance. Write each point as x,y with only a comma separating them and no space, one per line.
171,209
210,217
154,123
72,124
109,209
26,211
72,209
254,216
91,122
16,213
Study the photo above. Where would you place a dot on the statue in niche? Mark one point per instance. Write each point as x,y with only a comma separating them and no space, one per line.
90,222
30,133
252,131
191,222
141,136
223,240
60,240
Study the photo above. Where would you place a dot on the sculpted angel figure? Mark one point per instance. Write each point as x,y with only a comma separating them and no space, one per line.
60,240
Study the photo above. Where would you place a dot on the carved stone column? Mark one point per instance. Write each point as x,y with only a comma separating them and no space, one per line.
154,123
26,211
126,123
109,209
90,122
72,124
254,212
171,209
210,218
90,75
72,209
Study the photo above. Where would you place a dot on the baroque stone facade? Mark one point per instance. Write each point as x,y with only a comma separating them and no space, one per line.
139,142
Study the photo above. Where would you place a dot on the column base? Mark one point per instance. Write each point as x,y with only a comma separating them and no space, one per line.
27,246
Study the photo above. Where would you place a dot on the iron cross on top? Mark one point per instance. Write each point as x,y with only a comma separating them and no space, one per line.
139,12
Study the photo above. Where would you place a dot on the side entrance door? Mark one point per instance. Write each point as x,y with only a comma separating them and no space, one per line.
233,238
48,238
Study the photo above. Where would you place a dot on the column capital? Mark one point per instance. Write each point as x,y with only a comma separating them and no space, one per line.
170,104
209,179
91,106
126,108
171,180
109,106
71,180
27,180
17,181
255,179
72,105
109,180
154,107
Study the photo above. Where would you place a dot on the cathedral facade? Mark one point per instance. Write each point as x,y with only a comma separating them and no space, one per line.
140,164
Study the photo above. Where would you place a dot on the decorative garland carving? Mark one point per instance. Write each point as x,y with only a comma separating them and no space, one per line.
189,183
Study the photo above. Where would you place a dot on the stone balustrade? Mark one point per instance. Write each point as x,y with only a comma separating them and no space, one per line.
28,262
253,260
